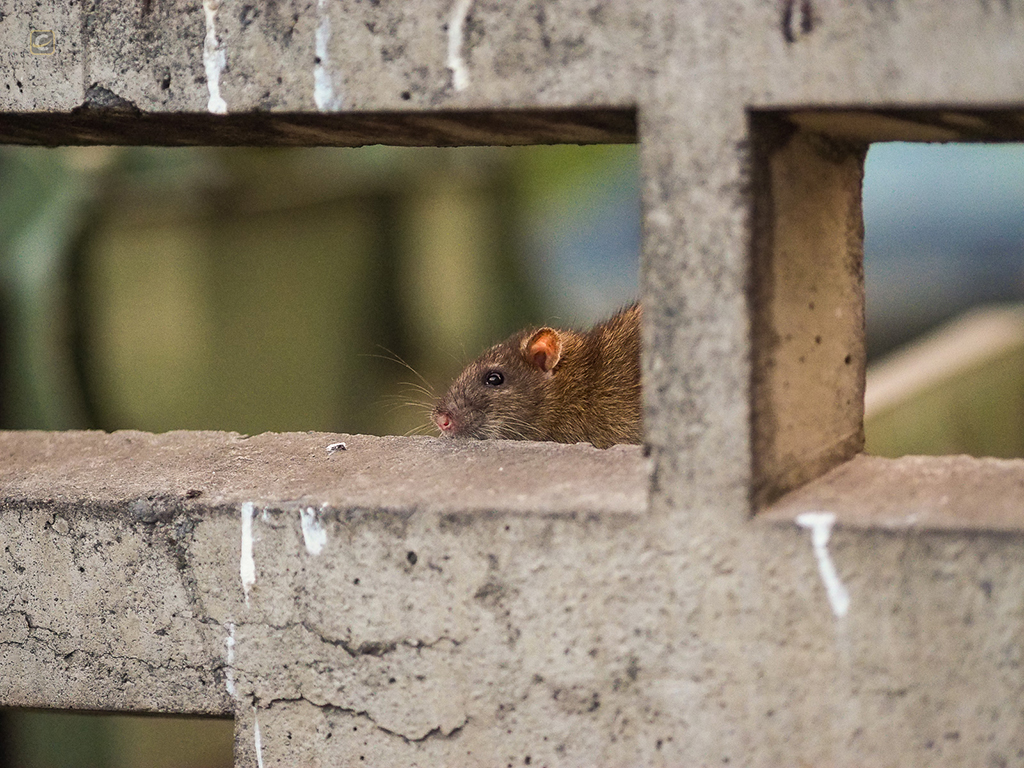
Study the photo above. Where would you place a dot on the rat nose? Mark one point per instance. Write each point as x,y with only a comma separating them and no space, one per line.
444,422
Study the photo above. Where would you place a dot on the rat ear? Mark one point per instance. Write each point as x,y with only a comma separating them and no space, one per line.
543,350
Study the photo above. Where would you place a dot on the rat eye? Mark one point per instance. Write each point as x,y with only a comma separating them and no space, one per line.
494,379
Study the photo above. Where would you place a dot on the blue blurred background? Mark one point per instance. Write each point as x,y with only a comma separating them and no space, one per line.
944,231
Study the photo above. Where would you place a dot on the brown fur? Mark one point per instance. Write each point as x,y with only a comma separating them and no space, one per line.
591,394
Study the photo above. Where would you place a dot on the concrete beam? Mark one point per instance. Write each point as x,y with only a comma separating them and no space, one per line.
349,625
159,476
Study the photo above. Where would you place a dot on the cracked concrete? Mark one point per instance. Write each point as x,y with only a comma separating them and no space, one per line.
112,592
422,636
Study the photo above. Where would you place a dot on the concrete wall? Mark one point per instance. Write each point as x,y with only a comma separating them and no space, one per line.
547,605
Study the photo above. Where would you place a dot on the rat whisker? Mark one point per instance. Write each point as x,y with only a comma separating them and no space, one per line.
524,433
404,401
422,390
420,429
400,406
394,358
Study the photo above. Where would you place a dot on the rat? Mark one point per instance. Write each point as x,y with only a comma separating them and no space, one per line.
547,384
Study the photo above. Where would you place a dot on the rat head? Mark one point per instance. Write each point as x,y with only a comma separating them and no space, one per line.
499,394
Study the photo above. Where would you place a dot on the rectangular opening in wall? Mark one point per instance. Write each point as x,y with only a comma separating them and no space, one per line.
904,282
292,289
944,275
38,739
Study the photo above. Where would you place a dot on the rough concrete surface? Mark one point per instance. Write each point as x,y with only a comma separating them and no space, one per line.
415,636
808,312
955,493
153,476
391,624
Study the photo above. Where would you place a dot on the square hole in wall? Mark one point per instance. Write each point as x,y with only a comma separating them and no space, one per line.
810,360
285,289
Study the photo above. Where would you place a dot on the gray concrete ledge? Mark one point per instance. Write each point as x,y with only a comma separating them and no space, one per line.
152,476
434,639
922,492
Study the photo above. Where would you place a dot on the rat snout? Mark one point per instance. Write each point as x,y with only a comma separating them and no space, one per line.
455,415
444,422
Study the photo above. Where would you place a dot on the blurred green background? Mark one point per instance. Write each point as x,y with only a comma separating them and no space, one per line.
91,740
274,290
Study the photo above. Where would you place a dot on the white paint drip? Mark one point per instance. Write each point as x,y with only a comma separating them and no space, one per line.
229,676
456,27
313,532
247,568
323,86
821,524
257,738
214,58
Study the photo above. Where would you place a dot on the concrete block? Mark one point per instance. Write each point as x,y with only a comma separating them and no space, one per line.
43,58
420,602
424,634
807,288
